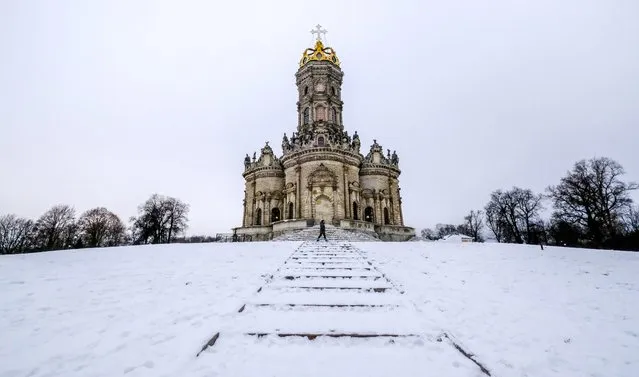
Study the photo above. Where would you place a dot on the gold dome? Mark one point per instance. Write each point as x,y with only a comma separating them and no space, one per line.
319,53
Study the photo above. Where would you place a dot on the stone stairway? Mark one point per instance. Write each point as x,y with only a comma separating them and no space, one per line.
329,310
332,234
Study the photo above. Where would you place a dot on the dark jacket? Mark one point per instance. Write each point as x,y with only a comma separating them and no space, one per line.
322,226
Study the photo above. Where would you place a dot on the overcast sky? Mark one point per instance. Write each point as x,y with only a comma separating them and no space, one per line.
103,103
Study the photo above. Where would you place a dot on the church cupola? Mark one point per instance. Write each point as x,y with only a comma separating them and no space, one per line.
319,85
319,53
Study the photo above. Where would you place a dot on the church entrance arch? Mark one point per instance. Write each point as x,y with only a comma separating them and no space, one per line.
322,186
323,209
368,214
275,214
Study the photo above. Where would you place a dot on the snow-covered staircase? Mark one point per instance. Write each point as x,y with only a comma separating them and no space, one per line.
329,310
332,234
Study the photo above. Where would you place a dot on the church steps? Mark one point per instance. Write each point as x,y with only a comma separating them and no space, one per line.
332,233
323,283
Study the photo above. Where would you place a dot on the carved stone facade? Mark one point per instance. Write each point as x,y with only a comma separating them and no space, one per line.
321,174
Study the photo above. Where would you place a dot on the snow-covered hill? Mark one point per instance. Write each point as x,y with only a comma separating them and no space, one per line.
148,310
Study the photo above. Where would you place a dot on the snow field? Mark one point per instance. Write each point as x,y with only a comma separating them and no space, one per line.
147,311
523,311
134,311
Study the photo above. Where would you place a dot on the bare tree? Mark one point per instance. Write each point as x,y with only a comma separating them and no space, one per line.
528,207
502,214
428,234
593,196
473,224
494,220
100,227
444,230
15,234
632,219
56,229
177,217
514,215
160,219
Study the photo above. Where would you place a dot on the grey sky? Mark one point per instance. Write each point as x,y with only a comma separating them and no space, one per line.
103,103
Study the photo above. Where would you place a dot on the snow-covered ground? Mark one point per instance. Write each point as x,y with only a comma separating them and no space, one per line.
147,311
134,311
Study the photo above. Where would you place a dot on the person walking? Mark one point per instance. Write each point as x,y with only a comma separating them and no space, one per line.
322,231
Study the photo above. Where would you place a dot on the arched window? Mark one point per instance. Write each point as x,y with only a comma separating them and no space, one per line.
386,216
320,113
368,214
333,114
332,90
320,141
355,214
290,210
258,217
275,214
307,115
305,90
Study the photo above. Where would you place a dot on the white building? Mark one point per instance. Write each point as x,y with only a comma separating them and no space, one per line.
456,238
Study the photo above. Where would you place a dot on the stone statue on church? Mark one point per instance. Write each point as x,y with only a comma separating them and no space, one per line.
254,158
247,162
286,146
395,159
356,143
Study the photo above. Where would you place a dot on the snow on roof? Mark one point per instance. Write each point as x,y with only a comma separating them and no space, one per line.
456,238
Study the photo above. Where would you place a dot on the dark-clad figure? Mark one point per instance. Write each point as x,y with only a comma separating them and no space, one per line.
322,231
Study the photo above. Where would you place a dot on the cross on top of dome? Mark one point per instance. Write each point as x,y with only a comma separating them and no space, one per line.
319,31
319,52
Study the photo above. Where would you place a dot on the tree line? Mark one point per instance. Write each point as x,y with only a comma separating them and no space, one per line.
161,219
591,207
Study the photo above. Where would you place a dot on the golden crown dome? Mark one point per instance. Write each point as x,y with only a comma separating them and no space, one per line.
319,53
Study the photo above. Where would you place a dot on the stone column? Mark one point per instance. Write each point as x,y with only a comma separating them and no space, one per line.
375,210
334,202
391,201
311,203
349,204
244,211
380,210
253,205
401,213
298,198
346,196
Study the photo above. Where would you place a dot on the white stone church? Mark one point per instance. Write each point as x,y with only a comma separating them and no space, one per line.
322,175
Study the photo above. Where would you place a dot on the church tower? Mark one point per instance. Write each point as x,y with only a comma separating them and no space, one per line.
321,174
319,87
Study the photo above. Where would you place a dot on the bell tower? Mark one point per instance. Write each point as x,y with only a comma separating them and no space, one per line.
319,87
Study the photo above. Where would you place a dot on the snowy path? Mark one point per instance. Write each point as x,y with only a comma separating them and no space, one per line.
329,310
146,311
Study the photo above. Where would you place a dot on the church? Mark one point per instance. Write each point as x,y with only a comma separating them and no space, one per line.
322,173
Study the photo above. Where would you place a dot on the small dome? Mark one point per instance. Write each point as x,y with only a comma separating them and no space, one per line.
319,53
